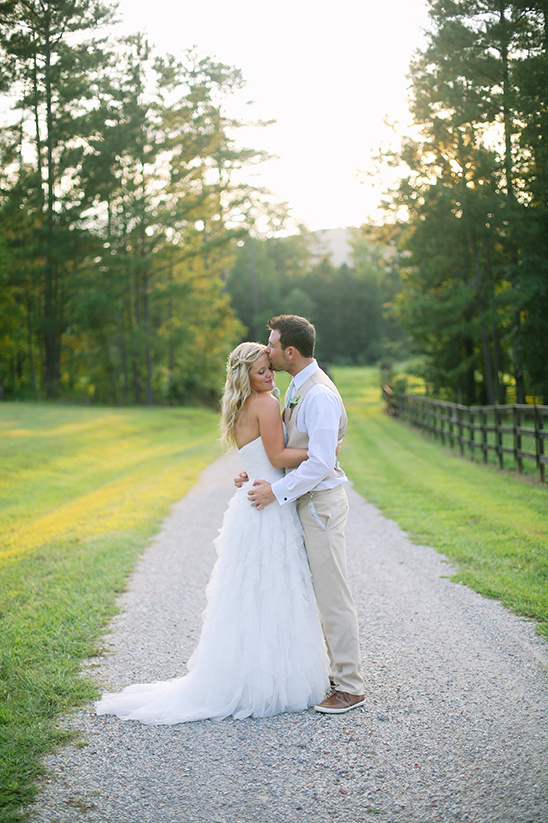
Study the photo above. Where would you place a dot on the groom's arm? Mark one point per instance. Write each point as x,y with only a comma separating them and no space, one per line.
260,494
321,411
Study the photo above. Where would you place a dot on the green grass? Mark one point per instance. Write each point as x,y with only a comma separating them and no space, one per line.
493,525
81,492
473,449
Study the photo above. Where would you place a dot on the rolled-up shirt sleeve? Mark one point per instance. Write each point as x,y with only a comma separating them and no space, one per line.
320,419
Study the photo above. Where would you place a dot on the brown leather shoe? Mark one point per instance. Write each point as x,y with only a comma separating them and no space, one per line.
340,702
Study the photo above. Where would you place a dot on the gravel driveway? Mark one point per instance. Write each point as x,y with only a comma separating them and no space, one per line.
455,727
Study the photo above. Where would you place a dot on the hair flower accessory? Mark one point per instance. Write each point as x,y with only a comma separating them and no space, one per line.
232,366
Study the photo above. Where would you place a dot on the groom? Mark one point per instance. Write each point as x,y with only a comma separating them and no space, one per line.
315,420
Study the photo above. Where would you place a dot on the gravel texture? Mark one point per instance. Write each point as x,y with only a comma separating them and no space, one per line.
454,729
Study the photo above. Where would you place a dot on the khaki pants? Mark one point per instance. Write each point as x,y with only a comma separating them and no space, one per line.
323,515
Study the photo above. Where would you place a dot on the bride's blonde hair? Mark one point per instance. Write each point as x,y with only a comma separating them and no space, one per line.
237,387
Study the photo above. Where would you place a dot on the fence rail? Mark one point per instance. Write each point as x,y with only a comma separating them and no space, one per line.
519,431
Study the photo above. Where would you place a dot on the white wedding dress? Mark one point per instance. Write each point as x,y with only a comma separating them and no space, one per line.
262,649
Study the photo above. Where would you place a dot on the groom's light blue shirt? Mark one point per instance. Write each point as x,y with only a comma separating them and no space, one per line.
318,417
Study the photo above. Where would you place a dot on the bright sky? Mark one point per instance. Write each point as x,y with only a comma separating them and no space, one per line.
328,73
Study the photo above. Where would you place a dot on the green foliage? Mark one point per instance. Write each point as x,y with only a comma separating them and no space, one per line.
81,493
51,71
475,294
530,345
118,212
346,303
267,278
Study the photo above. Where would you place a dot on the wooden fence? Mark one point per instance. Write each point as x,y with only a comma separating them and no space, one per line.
519,431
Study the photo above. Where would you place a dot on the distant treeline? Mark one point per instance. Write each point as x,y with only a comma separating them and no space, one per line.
129,257
127,267
347,303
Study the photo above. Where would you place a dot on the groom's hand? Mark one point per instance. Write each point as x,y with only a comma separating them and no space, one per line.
261,494
241,479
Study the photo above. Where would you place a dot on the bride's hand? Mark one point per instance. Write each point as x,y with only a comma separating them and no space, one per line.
240,480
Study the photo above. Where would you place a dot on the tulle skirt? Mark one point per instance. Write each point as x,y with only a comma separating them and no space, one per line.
262,649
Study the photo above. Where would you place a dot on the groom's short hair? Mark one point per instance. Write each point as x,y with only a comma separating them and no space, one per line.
295,331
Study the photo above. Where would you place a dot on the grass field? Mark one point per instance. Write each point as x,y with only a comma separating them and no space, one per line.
83,489
494,525
81,492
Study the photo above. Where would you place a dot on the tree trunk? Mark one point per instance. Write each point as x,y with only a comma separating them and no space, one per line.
477,280
148,349
30,347
469,389
509,175
484,331
51,342
254,291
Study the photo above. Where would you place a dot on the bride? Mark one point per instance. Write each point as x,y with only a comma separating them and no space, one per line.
262,649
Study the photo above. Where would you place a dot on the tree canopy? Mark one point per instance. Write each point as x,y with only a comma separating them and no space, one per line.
130,260
117,207
347,303
474,239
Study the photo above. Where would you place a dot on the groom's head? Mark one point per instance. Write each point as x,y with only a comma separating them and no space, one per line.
291,337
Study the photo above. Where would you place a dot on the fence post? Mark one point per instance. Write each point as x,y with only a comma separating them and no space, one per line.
484,434
441,421
498,434
539,440
517,439
471,432
450,420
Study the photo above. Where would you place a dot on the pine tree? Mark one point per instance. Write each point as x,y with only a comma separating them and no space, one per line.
158,181
51,68
469,193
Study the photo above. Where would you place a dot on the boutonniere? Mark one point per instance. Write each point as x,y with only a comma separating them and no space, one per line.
288,411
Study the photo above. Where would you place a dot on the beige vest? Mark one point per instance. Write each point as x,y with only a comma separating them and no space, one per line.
299,440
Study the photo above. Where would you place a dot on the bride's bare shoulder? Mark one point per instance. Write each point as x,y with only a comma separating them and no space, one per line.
262,400
263,407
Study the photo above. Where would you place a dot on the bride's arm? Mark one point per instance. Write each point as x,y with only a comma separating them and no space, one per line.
272,435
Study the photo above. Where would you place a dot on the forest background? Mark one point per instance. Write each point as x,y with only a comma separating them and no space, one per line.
132,258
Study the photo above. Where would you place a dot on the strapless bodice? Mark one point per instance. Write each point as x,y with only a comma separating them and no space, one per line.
256,462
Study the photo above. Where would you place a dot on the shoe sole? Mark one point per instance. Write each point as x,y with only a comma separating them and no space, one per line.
342,710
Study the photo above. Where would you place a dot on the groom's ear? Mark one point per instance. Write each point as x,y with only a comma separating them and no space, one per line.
290,352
